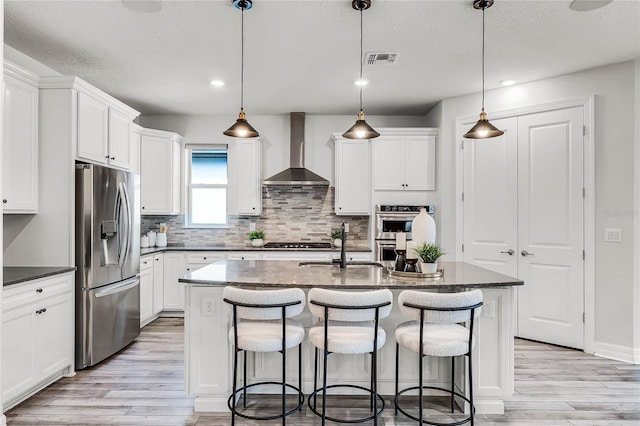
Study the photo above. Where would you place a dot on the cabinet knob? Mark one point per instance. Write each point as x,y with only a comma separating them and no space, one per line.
157,260
4,201
113,158
253,208
339,208
38,290
142,207
145,262
205,258
107,157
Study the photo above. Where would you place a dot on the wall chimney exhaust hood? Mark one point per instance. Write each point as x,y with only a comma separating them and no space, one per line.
296,175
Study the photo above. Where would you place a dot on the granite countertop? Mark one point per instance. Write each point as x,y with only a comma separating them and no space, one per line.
286,273
180,247
18,274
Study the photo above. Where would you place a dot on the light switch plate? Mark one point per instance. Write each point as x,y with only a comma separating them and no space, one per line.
252,226
612,235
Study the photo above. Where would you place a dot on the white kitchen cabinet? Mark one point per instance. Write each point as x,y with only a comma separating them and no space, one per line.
297,255
146,289
404,159
356,256
135,139
244,255
175,266
352,176
196,260
248,183
37,336
20,141
158,283
160,172
103,132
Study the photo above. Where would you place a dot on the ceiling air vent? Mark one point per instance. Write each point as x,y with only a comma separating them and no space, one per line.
381,58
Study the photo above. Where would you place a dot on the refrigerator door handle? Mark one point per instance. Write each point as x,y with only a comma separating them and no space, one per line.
124,204
123,286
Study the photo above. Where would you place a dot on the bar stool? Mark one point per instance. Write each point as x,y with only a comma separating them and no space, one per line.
350,325
265,327
438,333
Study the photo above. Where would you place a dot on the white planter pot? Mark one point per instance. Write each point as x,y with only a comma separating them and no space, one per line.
428,268
337,242
258,242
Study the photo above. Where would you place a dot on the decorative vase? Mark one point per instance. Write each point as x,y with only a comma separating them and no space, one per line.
423,228
428,268
257,242
337,242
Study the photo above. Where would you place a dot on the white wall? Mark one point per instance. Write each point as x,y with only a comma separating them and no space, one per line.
274,131
636,219
614,175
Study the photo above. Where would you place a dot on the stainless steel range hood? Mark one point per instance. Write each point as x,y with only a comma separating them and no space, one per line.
297,174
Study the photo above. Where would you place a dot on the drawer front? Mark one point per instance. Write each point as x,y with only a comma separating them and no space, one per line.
205,257
244,255
36,290
146,262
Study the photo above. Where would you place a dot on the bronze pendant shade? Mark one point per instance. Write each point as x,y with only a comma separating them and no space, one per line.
241,128
361,130
483,129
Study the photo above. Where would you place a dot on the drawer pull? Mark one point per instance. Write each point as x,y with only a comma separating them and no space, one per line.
41,311
38,290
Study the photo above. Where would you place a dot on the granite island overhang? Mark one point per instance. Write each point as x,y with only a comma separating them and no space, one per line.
208,360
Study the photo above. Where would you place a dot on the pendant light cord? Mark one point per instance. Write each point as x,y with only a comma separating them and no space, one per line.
242,59
360,59
483,57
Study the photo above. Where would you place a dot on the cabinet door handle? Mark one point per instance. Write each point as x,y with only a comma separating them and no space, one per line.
38,290
107,157
113,158
41,311
525,253
205,258
510,252
145,262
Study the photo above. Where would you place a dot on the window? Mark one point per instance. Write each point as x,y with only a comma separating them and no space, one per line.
207,185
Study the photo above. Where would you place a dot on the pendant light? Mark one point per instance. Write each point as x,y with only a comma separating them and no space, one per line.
361,130
242,128
483,128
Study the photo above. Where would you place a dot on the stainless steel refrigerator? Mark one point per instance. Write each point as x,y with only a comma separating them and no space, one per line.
108,262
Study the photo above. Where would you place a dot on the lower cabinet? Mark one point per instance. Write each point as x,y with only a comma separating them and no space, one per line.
37,336
175,266
146,290
158,283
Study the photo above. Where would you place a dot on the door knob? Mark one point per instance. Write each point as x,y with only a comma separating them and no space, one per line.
510,252
526,253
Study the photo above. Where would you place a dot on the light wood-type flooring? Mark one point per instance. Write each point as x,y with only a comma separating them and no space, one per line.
143,385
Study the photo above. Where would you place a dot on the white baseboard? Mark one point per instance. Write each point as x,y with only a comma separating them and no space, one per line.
617,352
211,405
488,406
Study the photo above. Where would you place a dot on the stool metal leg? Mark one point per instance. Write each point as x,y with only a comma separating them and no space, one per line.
420,364
371,377
471,408
315,378
324,371
453,366
235,378
244,376
284,366
397,349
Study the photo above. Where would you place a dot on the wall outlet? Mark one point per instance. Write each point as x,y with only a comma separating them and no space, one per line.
208,307
489,309
346,227
613,235
252,226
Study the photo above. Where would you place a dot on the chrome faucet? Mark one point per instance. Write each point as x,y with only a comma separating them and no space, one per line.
343,250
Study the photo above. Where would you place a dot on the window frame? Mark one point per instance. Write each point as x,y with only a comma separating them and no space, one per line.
188,223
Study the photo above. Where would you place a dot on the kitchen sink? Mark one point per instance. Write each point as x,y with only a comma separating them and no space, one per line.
329,263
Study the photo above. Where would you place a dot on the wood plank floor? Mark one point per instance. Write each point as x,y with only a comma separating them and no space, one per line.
143,385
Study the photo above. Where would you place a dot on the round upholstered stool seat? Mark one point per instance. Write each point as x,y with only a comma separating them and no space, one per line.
347,337
266,336
262,323
436,330
349,324
437,339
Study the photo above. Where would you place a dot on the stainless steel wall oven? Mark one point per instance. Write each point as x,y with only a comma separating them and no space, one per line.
391,220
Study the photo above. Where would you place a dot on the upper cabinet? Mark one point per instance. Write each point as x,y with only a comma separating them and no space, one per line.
248,172
352,176
404,159
103,132
20,141
160,172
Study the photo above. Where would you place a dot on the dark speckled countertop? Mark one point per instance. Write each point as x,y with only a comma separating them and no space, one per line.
180,247
18,274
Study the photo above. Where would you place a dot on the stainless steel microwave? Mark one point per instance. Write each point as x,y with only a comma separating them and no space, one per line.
392,219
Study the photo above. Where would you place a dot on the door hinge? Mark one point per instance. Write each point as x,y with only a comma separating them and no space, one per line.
463,248
583,254
583,317
584,130
463,196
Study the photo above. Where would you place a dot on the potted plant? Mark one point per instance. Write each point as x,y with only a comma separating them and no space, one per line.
336,236
428,254
257,238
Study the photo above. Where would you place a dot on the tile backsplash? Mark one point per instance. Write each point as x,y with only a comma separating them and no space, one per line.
293,213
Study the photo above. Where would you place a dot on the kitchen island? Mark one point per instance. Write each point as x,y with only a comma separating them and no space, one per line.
208,353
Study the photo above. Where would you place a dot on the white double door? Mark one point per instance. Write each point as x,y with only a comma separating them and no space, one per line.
523,216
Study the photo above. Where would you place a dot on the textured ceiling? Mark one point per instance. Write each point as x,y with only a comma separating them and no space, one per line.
303,55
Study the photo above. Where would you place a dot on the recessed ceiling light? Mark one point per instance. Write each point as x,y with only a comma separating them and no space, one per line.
217,83
588,5
362,82
507,82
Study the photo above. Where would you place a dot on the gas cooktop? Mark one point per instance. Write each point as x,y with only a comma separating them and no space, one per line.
298,245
